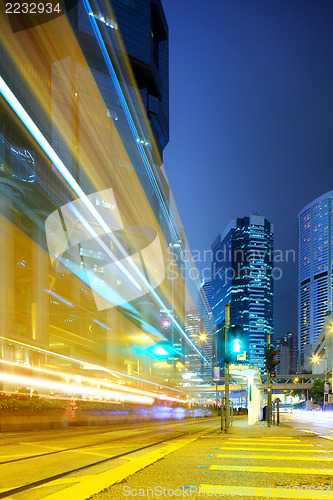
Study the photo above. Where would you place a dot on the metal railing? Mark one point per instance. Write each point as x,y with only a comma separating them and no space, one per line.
275,413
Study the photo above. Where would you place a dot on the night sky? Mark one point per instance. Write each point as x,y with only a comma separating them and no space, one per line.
251,119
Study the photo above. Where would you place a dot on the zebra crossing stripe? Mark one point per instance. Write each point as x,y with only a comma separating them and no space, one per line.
274,457
237,448
304,492
284,445
275,470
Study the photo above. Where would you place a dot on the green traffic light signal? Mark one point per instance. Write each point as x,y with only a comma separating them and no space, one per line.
233,343
236,345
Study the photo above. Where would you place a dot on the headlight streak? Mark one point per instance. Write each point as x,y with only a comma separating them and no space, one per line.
91,365
109,385
73,388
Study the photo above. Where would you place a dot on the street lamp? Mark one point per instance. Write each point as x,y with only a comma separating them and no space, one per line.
316,359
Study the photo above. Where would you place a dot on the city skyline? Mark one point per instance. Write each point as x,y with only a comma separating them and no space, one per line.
256,116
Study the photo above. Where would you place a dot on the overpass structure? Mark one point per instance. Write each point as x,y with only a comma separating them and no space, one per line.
280,382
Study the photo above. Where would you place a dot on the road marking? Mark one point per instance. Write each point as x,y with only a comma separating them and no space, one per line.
284,445
219,490
90,452
49,447
289,440
274,457
84,488
273,449
275,470
262,441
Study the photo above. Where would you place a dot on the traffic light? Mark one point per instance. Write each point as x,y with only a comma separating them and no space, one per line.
235,344
270,361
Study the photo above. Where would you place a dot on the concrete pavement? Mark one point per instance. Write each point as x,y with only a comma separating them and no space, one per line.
256,461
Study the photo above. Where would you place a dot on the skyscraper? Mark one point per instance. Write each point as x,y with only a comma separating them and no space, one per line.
288,357
144,38
95,135
193,330
207,322
242,262
315,268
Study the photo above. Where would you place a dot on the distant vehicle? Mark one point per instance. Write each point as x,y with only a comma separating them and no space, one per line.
285,408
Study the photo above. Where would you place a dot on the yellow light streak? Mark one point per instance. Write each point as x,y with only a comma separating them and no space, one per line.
74,389
107,385
81,363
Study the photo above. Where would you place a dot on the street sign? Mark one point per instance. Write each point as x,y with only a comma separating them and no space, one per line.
216,373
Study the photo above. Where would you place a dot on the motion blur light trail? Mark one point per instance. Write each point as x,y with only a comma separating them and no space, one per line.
87,386
79,154
22,114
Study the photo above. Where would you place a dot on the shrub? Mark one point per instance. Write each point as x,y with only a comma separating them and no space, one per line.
24,404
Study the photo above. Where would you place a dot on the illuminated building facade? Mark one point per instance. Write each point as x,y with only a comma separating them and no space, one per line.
288,357
86,225
207,322
193,329
315,269
242,263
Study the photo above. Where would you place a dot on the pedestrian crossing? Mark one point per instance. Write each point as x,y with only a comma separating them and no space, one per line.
288,468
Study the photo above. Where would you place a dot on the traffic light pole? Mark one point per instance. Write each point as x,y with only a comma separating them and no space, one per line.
226,370
269,387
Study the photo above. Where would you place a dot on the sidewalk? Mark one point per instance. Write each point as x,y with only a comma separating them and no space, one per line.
256,461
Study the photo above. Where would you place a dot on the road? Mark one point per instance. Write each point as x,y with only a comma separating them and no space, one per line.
257,461
33,465
170,460
312,421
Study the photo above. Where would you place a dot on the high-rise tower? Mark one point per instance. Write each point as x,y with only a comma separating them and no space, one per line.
242,262
315,268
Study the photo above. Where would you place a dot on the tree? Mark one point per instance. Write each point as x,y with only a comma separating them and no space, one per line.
317,390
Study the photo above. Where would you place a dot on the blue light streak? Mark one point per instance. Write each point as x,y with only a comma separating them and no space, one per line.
52,155
58,297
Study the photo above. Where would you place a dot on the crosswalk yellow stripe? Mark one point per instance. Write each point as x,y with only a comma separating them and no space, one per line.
220,491
284,445
251,440
275,470
289,440
273,449
274,457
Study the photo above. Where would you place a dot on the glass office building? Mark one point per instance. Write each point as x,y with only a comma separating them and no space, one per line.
207,322
87,229
315,268
242,264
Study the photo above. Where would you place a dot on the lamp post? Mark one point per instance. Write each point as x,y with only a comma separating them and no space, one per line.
226,370
332,358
